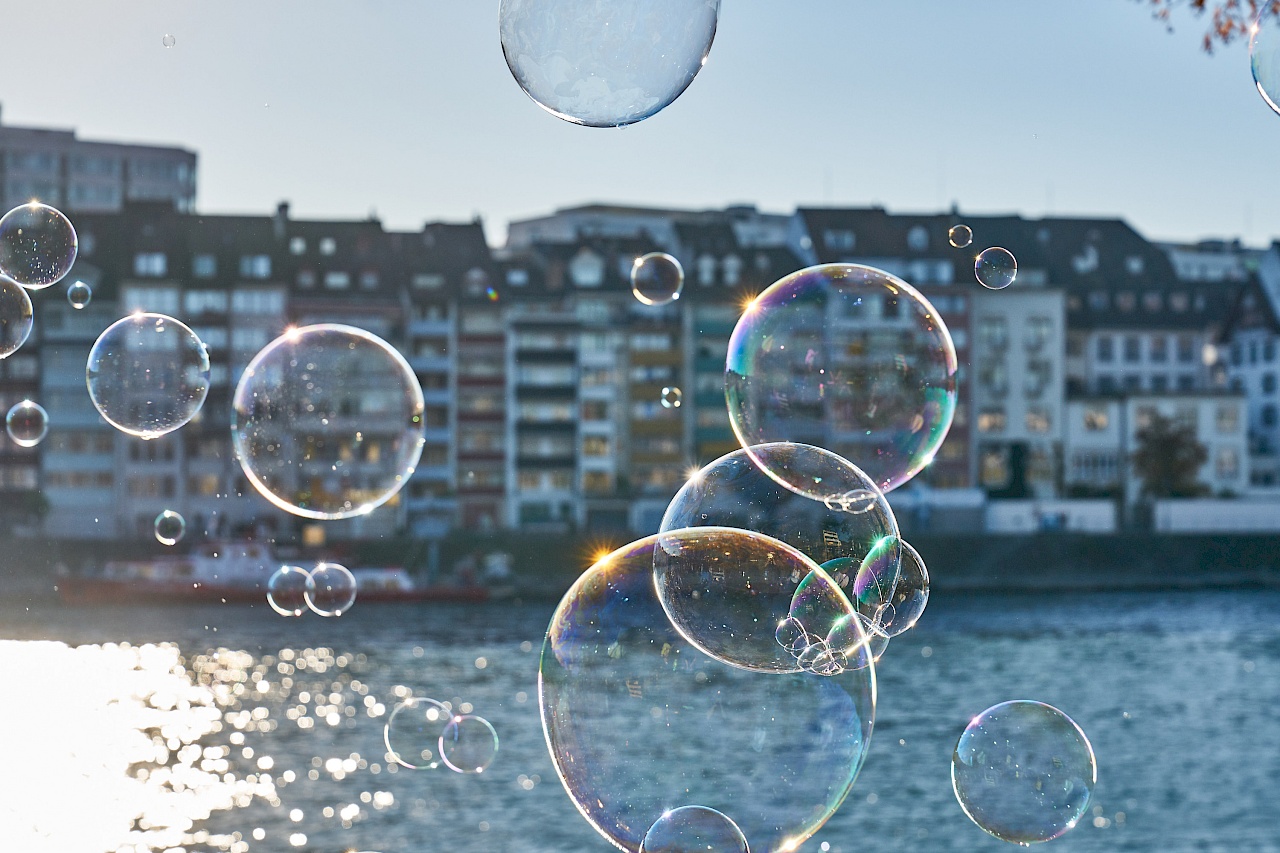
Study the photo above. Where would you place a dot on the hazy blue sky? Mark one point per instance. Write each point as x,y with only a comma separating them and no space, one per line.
406,106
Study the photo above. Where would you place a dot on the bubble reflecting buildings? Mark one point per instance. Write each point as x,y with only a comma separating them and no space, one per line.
37,245
148,374
657,279
638,720
327,422
412,733
15,316
332,591
606,63
848,358
1264,55
694,829
468,744
995,268
1024,772
170,527
288,590
27,423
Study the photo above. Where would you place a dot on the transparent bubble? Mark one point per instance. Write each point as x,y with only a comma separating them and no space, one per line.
79,294
15,316
469,744
288,590
902,608
960,236
637,719
170,527
27,423
848,358
837,636
413,732
657,279
672,398
333,590
694,829
37,245
327,422
1024,772
168,40
1264,53
996,268
606,63
148,374
734,491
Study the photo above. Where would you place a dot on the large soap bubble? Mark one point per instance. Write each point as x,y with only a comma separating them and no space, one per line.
15,316
606,63
1264,54
38,245
148,374
327,422
694,829
639,721
1024,772
845,357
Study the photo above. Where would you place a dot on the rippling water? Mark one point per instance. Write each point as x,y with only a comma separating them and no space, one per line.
157,729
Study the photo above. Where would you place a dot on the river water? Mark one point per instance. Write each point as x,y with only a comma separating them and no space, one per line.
230,728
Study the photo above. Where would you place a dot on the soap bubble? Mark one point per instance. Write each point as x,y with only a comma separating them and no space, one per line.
170,527
657,279
333,590
168,40
148,374
960,236
27,423
638,720
15,316
37,245
606,63
694,829
413,731
996,268
468,744
848,358
79,294
1264,53
327,422
288,590
902,608
1024,772
672,397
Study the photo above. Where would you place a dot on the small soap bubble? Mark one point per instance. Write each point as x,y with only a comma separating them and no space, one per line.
694,829
15,316
995,268
412,733
79,294
168,40
1024,772
38,245
287,590
904,607
334,590
170,527
672,397
148,374
468,744
960,236
1264,55
27,423
657,279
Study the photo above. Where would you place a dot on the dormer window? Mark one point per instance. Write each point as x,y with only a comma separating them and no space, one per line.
586,269
1135,264
918,239
840,240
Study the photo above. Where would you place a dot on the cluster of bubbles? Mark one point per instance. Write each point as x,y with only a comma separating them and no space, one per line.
1264,55
170,527
327,590
423,734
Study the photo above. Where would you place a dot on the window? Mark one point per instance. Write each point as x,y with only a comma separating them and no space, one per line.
732,267
249,339
204,266
261,302
336,280
150,264
255,266
1152,301
650,343
918,239
598,377
597,482
1179,302
517,277
1106,384
1269,350
595,446
1106,349
595,410
993,332
995,469
1159,382
1134,265
1126,301
369,279
1036,332
1099,300
587,269
328,245
1159,345
428,280
1253,352
1268,383
1228,419
1186,348
994,378
1039,374
1038,420
991,420
1133,382
306,278
1096,419
1132,348
213,337
205,302
1186,382
1227,463
839,240
298,246
1269,415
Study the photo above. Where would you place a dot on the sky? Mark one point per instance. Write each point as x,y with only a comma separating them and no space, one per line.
406,108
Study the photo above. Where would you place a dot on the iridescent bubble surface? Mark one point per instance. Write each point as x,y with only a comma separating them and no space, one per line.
27,423
634,717
15,316
1024,772
327,422
1264,56
960,236
38,245
606,63
848,358
468,744
79,294
148,374
672,397
333,590
288,589
170,527
995,268
900,611
694,829
657,279
413,731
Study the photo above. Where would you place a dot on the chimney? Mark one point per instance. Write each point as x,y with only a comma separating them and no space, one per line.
280,219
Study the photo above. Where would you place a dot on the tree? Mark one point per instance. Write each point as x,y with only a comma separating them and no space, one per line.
1230,19
1168,459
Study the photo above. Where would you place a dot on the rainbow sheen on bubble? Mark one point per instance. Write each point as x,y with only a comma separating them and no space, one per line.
899,611
327,422
27,423
848,358
288,589
606,63
413,731
1264,57
38,245
1024,772
468,744
170,527
995,268
694,829
332,591
657,279
16,316
638,720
